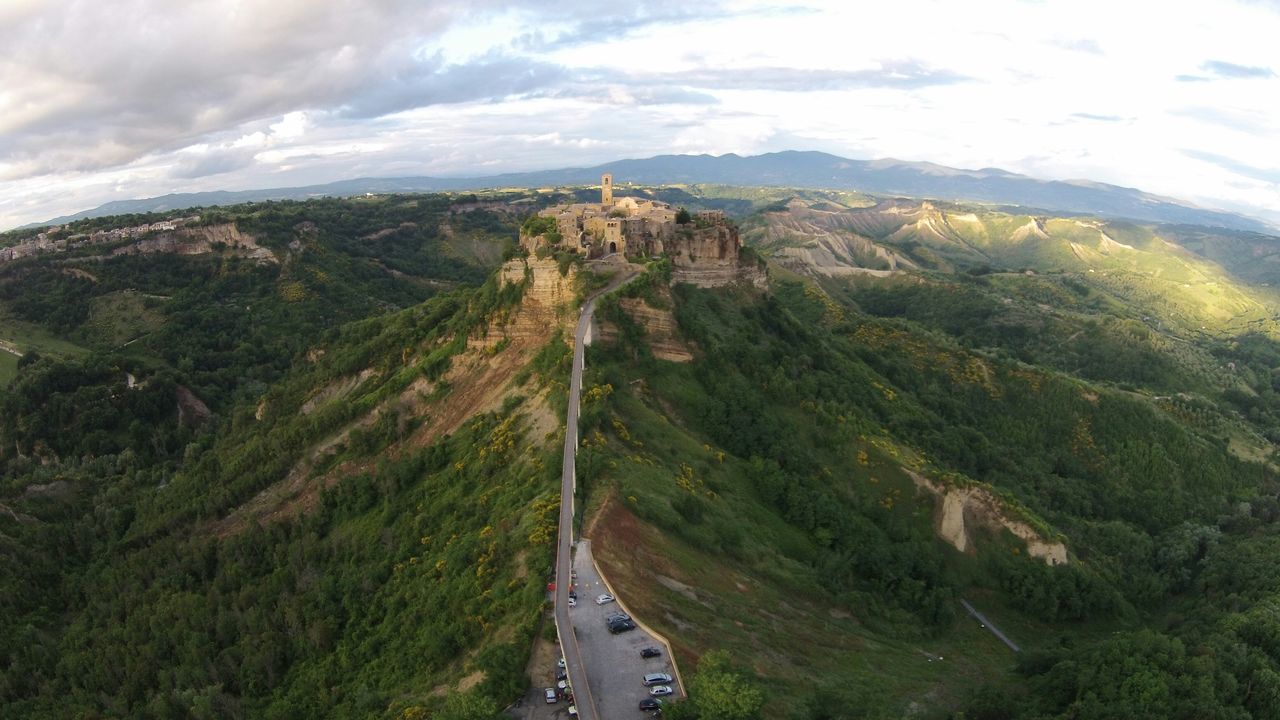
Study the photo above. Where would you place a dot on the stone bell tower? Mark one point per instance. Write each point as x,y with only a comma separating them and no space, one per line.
606,189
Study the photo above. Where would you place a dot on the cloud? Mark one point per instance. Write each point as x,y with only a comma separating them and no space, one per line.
1246,121
215,162
1098,118
1084,45
1227,71
1231,70
1235,166
432,82
900,74
144,77
145,97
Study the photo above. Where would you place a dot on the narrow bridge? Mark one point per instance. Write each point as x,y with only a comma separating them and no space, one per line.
577,673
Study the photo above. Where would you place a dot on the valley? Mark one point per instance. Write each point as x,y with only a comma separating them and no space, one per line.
793,461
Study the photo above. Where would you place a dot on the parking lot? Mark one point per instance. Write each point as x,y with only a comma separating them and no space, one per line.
614,666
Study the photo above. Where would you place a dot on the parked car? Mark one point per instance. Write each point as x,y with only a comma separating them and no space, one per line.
560,663
651,704
617,616
561,674
573,602
621,627
660,690
573,594
563,686
573,711
650,652
605,598
551,696
656,679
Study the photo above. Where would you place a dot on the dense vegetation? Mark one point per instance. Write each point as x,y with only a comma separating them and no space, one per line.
129,586
305,552
1094,406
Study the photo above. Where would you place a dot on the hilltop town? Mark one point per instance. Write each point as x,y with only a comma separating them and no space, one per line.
56,239
704,247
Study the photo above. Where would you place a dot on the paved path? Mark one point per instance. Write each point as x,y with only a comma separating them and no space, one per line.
585,701
987,623
614,666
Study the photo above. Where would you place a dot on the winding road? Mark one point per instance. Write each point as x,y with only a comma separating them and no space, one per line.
584,701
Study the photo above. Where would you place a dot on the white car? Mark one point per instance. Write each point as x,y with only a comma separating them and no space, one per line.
602,599
560,663
660,690
573,602
551,696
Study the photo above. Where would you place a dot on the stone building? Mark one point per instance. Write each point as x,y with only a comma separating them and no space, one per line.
705,251
626,225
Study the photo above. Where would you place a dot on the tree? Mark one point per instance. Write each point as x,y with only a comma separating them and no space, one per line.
718,692
683,217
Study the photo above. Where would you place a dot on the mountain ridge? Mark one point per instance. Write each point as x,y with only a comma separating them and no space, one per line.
791,168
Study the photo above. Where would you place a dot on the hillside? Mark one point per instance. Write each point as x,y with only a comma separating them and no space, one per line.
843,415
324,481
781,169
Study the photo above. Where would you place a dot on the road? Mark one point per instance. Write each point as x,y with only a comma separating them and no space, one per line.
585,701
987,624
614,666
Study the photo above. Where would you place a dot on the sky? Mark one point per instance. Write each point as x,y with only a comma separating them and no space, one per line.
125,99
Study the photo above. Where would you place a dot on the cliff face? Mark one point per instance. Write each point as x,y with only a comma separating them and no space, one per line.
547,302
711,257
200,240
960,509
659,326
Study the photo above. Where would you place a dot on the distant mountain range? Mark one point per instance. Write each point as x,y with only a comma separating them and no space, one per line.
784,169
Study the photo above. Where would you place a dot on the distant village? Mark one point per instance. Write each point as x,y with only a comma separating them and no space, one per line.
52,240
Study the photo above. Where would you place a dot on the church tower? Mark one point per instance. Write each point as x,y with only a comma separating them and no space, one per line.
606,189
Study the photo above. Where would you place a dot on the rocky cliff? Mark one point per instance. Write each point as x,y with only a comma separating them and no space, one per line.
958,510
659,325
547,302
200,240
712,257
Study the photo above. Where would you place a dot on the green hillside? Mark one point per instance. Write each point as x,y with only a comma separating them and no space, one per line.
359,523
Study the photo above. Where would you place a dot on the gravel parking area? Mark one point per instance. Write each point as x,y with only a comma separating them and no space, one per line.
614,666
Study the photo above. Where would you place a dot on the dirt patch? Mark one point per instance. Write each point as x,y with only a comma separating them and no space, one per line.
337,389
543,424
58,489
962,508
466,683
82,274
676,585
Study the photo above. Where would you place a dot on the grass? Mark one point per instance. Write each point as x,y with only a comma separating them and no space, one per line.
117,318
741,578
27,337
8,367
